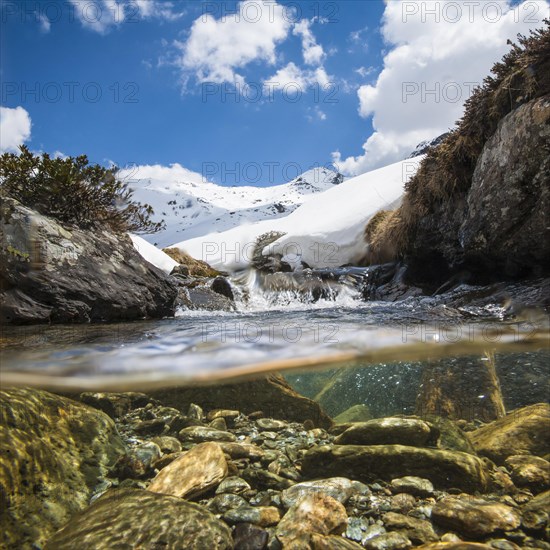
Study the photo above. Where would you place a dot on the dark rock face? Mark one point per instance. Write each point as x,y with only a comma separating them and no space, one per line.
222,286
272,395
53,453
49,273
499,227
133,518
506,224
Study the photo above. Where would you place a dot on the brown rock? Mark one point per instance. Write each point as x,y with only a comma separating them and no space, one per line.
529,471
475,517
332,542
418,531
445,469
386,431
523,431
315,513
132,518
193,474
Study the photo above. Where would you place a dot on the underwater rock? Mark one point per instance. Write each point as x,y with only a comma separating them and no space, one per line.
263,516
412,485
271,394
261,479
199,434
455,546
529,471
523,431
445,469
418,531
133,518
450,435
53,453
249,537
387,431
315,513
234,485
536,513
242,450
193,474
53,274
388,541
475,517
357,413
331,542
271,424
339,488
115,404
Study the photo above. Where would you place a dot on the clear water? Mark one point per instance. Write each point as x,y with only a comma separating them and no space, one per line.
387,343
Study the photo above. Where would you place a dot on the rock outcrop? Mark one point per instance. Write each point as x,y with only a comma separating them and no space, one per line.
55,274
53,454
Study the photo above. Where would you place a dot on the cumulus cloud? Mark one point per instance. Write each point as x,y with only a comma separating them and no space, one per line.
439,51
103,15
15,128
217,48
296,79
313,53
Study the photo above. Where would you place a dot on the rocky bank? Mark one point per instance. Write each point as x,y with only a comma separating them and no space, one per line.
149,475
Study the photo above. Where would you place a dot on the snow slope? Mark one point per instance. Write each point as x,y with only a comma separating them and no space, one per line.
153,255
192,207
325,231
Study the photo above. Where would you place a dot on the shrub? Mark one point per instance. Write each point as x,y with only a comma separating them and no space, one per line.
74,192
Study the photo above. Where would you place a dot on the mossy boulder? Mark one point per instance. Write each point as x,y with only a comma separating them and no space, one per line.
367,463
53,453
132,518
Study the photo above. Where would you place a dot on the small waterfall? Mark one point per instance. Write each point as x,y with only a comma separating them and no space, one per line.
256,290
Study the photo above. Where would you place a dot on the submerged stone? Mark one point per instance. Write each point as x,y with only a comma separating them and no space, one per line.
192,474
132,518
315,513
529,471
445,469
249,537
387,431
53,453
523,431
418,531
412,485
388,541
339,488
200,434
264,516
357,413
475,517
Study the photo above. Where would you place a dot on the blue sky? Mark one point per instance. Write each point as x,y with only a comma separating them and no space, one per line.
163,70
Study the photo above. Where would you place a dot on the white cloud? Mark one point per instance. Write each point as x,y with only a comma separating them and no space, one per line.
431,68
103,15
45,24
15,128
217,48
294,78
313,53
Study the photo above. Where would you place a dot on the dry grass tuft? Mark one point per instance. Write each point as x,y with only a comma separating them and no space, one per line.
197,268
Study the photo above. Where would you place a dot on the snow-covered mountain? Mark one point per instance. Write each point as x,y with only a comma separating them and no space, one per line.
325,231
192,207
